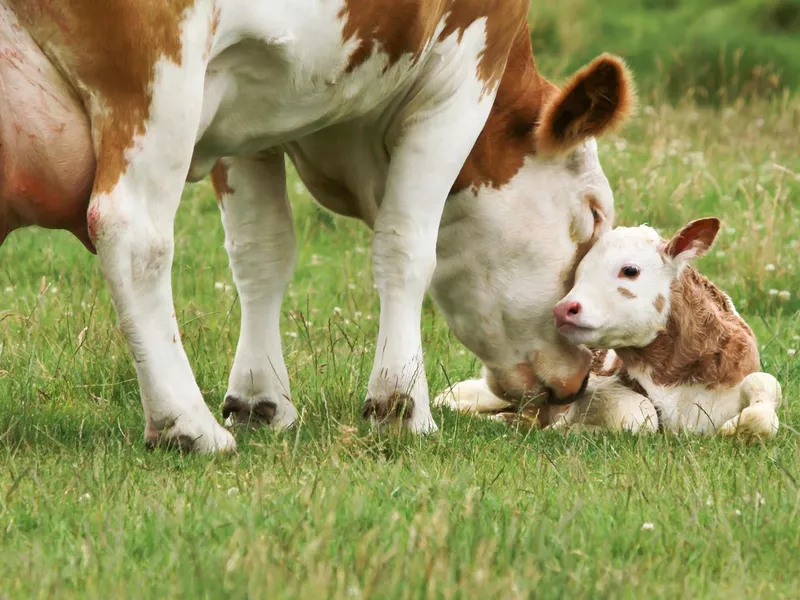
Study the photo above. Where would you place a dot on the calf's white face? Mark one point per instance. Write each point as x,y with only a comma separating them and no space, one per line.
622,288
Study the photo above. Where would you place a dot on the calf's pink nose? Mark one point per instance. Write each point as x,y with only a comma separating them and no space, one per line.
566,313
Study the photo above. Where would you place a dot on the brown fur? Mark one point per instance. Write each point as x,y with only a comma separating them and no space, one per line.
508,136
617,369
704,341
626,292
659,303
219,181
110,49
404,27
597,98
699,234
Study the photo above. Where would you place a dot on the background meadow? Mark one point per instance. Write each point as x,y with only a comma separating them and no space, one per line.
335,510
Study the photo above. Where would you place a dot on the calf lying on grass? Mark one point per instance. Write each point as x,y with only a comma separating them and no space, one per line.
671,350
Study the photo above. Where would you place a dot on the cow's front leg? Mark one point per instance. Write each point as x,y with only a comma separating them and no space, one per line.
142,161
260,240
424,164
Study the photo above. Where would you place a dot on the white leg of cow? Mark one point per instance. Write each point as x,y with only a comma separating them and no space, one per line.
131,216
425,163
260,240
760,397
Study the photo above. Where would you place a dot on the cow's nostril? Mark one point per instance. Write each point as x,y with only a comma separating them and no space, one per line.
574,309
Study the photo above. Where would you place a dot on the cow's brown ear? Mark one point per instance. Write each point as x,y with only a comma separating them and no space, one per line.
597,98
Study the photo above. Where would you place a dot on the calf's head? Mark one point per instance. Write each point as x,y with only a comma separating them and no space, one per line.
534,199
621,296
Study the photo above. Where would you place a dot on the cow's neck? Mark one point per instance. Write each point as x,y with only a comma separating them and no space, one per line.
507,138
704,341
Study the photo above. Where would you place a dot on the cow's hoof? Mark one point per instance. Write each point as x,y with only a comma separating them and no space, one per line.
399,409
187,436
258,412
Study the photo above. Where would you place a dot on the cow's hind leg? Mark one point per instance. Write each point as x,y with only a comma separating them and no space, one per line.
141,169
260,240
760,397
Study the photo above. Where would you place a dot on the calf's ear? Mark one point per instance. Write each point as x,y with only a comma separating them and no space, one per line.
597,98
693,240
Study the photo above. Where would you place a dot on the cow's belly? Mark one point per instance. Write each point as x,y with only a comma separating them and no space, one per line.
288,80
47,162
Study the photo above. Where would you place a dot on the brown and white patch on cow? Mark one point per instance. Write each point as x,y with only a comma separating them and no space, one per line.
110,49
406,28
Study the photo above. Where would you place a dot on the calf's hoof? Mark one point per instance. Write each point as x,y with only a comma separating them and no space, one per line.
757,422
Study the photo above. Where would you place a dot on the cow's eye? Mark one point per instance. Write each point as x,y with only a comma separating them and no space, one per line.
629,272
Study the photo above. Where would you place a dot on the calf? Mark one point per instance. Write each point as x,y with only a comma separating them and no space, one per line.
672,350
429,121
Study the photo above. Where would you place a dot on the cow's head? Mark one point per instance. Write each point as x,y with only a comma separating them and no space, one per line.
621,296
508,250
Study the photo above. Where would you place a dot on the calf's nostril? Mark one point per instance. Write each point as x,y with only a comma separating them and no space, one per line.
574,309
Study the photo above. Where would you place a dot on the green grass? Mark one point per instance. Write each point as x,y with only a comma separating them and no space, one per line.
334,510
714,51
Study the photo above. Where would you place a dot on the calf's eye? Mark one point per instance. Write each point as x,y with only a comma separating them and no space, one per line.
629,272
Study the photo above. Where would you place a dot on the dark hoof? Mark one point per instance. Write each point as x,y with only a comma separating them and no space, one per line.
262,412
182,443
395,406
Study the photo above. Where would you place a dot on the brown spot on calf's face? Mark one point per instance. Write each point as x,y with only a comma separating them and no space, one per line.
659,303
626,292
109,50
705,341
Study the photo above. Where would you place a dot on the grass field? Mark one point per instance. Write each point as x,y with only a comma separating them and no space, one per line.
335,510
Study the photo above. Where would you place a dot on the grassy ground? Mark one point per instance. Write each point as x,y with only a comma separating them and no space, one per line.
334,510
710,50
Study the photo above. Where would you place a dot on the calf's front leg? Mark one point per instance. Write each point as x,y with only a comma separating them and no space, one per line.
760,396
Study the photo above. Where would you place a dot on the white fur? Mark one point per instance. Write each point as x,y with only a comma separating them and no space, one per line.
134,240
260,241
502,258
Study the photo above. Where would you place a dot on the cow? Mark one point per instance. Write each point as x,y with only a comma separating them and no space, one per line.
428,121
672,352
